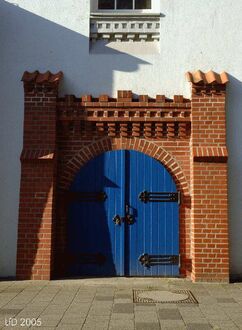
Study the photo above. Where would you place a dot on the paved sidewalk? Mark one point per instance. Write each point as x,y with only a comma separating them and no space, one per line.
101,304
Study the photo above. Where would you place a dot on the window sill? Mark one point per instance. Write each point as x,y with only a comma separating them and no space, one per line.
129,14
125,26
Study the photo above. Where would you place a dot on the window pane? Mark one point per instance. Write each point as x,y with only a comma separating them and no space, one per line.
105,4
142,4
124,4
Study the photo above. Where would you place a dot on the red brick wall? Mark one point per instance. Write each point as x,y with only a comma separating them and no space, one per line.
38,179
35,221
209,184
190,144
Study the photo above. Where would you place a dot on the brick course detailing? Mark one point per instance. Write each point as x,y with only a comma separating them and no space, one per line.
186,136
38,177
209,244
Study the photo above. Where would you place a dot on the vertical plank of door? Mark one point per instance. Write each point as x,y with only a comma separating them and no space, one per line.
156,230
147,208
109,175
114,206
122,171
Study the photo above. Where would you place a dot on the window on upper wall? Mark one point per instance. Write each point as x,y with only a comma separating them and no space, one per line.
124,4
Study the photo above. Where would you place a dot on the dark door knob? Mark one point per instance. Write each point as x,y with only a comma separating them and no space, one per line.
117,220
129,218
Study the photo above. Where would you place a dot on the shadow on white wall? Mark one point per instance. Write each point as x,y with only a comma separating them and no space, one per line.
234,139
30,42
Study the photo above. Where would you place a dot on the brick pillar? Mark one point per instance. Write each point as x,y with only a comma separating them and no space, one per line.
38,176
210,253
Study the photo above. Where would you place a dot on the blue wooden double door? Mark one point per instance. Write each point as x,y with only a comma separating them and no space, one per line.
123,218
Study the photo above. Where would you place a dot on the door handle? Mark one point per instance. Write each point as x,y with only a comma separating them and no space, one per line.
129,218
117,220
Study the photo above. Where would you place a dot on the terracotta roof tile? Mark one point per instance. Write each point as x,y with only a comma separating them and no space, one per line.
55,77
41,78
211,77
29,76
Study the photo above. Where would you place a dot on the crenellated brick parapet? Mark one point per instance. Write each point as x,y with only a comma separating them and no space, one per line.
126,117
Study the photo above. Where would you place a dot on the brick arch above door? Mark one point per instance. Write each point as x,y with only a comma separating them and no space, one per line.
107,144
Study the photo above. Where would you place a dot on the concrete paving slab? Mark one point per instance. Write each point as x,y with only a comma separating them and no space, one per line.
180,327
123,300
147,326
11,305
166,306
198,326
123,308
78,310
144,307
7,312
146,317
214,314
196,321
97,318
172,324
223,325
68,327
100,313
104,298
194,318
169,314
46,328
15,328
50,321
121,325
75,320
98,310
107,304
207,300
95,326
122,316
123,297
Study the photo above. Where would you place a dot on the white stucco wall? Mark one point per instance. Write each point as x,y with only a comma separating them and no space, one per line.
53,35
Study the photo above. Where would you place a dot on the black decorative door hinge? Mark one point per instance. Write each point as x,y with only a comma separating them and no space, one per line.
147,197
148,260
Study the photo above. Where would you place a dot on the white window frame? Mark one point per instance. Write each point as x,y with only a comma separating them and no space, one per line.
115,6
155,8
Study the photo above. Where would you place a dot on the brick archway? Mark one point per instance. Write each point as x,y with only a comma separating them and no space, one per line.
107,144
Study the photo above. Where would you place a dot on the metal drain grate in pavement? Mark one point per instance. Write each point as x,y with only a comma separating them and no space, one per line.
165,297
